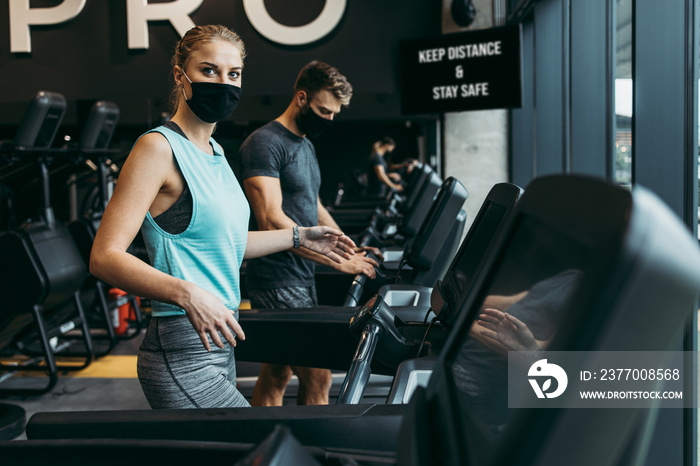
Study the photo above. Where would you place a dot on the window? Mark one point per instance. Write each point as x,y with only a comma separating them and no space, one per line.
622,168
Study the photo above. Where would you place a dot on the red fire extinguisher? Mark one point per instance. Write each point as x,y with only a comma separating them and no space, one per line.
122,310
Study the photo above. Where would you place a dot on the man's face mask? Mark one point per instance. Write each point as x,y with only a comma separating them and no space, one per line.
311,124
212,102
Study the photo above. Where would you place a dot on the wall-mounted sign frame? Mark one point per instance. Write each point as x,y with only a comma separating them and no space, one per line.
472,70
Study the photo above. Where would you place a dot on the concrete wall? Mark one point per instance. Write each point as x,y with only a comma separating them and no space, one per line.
475,143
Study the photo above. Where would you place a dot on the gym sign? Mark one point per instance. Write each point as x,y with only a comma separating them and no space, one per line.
177,12
472,70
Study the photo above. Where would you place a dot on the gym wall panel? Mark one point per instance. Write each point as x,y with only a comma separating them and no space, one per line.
88,57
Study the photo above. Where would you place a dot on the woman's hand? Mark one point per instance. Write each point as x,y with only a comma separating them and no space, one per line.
209,316
328,241
508,330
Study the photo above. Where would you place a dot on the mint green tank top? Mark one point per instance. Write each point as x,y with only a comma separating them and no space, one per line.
210,251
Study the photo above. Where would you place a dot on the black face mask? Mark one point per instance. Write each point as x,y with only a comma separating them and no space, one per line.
213,102
311,124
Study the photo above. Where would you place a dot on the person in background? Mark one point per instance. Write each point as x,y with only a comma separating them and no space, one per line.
177,187
281,177
381,174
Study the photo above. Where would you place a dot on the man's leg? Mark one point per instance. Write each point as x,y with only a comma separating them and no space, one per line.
314,385
271,384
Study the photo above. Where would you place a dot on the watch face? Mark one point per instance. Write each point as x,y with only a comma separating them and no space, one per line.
364,312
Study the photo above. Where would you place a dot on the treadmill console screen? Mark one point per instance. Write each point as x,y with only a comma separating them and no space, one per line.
487,228
533,285
464,269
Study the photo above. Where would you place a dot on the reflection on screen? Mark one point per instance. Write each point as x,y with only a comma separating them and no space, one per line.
525,303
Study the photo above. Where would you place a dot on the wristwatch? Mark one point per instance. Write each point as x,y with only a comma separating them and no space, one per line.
296,237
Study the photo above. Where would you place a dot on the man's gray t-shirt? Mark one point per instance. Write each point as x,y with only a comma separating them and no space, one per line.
274,151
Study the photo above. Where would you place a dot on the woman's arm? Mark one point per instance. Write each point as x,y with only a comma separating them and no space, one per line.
141,179
323,240
150,170
265,196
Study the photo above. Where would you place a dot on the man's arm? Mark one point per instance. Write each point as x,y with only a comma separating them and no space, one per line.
324,217
381,174
265,197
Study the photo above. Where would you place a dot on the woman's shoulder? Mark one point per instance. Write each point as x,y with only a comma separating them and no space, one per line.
152,146
154,140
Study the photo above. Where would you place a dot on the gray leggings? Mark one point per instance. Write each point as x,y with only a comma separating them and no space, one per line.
176,371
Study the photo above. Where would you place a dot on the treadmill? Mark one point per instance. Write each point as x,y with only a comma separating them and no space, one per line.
355,216
623,257
272,334
424,258
332,285
473,252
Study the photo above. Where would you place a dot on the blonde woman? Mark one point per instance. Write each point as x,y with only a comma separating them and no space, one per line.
177,187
